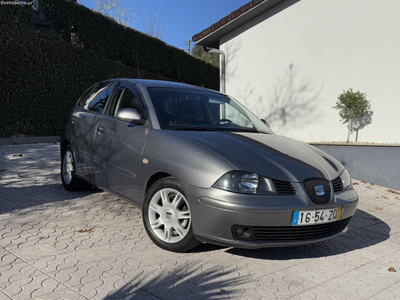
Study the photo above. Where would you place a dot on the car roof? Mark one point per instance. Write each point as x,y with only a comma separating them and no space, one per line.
162,83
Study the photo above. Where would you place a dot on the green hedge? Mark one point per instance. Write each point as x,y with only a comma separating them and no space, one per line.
42,75
120,43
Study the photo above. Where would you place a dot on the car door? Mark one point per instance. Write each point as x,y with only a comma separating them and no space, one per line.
119,144
84,120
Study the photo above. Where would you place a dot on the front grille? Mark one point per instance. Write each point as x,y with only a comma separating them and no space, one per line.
311,185
299,233
284,187
337,185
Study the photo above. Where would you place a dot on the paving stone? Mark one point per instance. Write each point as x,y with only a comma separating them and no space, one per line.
54,264
7,258
119,265
56,244
34,249
62,294
104,287
30,287
15,272
3,296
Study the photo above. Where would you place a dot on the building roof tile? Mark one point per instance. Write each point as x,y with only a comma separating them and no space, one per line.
229,18
209,37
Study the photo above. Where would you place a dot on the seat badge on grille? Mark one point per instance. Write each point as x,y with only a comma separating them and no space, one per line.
319,189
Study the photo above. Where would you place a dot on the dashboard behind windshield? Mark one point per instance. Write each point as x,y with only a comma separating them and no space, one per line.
188,109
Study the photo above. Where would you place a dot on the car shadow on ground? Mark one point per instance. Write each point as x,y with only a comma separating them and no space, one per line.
221,283
14,199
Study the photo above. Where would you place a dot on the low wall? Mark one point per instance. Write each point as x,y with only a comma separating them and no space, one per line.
374,164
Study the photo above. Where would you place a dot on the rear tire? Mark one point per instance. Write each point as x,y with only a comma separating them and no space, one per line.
70,181
167,216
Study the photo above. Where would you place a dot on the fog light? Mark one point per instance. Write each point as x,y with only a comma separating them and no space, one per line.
242,232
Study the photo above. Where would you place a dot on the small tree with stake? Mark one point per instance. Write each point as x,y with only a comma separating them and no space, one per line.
351,106
360,122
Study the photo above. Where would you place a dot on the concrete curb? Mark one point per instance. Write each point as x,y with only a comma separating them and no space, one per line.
29,140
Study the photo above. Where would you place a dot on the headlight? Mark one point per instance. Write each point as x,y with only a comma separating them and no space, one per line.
245,182
346,180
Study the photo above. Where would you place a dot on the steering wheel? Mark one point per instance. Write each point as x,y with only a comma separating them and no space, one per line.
222,121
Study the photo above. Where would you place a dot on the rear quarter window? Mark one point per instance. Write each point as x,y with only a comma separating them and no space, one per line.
97,98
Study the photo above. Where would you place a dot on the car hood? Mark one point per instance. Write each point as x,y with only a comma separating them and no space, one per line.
269,155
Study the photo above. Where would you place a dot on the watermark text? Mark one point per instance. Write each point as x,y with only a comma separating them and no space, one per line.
16,3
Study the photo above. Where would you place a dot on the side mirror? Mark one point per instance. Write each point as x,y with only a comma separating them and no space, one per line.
131,115
266,123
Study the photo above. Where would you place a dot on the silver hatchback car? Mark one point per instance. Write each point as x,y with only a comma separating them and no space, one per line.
202,167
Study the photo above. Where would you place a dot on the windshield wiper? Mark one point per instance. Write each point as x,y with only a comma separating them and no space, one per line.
251,130
201,128
248,130
194,128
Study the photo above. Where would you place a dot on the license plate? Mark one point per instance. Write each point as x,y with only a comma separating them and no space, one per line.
313,217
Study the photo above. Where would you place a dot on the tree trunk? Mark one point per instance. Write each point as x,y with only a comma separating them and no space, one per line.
348,133
357,135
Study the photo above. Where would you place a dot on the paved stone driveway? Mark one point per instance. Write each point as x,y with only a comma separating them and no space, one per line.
56,244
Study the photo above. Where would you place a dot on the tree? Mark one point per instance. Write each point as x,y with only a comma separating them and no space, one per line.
211,58
152,21
360,122
351,105
115,9
149,19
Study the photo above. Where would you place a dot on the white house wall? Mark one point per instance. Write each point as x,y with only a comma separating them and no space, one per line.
292,62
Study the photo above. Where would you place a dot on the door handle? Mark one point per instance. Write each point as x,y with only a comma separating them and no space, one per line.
100,130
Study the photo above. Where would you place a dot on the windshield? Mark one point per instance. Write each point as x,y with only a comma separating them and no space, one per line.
191,109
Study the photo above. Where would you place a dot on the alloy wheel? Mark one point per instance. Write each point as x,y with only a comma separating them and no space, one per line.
68,167
169,215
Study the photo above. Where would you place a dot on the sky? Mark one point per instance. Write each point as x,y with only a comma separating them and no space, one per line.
183,18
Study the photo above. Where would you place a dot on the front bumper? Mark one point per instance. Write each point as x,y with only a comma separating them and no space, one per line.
217,214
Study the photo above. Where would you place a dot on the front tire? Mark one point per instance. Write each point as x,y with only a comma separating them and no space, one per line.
70,181
167,216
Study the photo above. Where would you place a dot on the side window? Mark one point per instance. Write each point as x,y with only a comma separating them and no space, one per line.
91,93
126,98
83,98
214,108
98,98
233,113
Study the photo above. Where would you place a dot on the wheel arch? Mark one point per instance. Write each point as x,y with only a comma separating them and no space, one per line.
154,178
64,145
